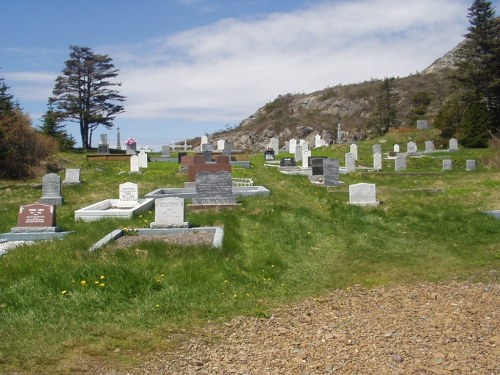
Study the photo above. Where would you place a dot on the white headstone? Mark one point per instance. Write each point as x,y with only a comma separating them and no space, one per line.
396,148
143,159
301,142
204,140
429,146
377,162
377,149
305,158
453,144
470,165
447,165
350,162
220,144
318,142
134,164
400,163
129,195
275,145
72,176
291,146
169,212
363,194
298,153
411,147
354,150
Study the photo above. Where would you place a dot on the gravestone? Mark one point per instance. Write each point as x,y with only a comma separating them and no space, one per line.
269,154
129,195
363,194
288,162
306,154
396,148
220,144
36,218
470,165
275,145
429,146
318,142
51,190
169,213
411,147
317,166
340,134
204,140
298,153
422,124
103,139
103,146
377,148
377,161
207,155
72,176
400,163
331,172
130,149
165,151
447,165
291,145
134,164
453,144
353,149
143,159
228,149
350,163
214,189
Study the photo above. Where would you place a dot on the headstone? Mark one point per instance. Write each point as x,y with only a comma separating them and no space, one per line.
298,153
207,155
131,146
317,166
340,134
363,194
275,145
129,195
143,159
134,164
228,148
51,190
396,148
350,162
318,142
291,146
422,124
220,144
165,151
103,149
269,154
331,173
214,189
118,141
453,144
304,145
288,162
103,139
72,176
301,142
400,163
353,149
169,213
429,146
411,147
36,218
470,165
447,165
377,149
377,162
204,140
305,158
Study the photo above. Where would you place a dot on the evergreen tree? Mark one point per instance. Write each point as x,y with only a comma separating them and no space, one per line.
52,126
85,94
479,74
386,113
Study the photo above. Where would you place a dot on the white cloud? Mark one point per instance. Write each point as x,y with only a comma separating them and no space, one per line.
226,70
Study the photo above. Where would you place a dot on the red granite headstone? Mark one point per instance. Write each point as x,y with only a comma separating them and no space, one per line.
37,215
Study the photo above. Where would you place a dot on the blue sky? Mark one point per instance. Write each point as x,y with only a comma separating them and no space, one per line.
190,67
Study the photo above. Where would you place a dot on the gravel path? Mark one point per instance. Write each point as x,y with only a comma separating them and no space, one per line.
448,328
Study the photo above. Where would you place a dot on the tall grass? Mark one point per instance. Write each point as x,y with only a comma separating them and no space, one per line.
59,302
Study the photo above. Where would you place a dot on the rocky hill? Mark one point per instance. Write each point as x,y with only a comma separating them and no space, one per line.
302,116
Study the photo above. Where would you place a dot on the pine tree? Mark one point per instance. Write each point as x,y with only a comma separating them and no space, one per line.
386,112
52,126
85,94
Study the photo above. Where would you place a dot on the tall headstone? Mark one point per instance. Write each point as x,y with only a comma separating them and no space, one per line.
220,144
317,166
165,151
447,165
169,213
291,146
143,159
72,176
318,142
377,149
350,162
396,148
129,195
331,173
275,145
429,146
340,134
298,153
118,141
204,140
453,144
134,164
400,163
306,154
103,146
36,218
51,190
353,149
363,194
470,165
377,162
411,147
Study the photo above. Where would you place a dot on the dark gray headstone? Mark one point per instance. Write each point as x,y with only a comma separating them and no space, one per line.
103,149
331,172
288,162
207,154
214,188
51,190
317,166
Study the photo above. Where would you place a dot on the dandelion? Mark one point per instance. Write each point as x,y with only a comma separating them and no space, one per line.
226,281
96,282
64,292
162,275
157,305
83,282
102,285
102,277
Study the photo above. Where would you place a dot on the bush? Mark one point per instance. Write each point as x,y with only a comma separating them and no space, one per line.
25,152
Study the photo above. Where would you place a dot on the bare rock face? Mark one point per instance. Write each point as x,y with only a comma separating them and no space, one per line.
304,131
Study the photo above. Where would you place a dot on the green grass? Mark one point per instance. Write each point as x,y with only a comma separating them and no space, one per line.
59,303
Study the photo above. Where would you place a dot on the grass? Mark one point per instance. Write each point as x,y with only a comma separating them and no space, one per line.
59,303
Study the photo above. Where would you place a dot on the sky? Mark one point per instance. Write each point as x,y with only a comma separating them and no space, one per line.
193,67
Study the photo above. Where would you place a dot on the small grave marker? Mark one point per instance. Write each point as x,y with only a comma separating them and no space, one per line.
51,190
169,213
363,194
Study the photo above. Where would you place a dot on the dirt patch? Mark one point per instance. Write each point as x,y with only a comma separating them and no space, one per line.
182,239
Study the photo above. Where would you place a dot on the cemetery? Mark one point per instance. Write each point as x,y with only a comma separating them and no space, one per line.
339,216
